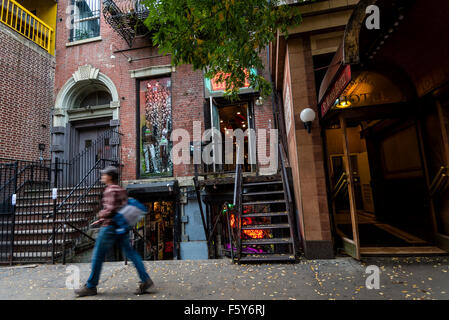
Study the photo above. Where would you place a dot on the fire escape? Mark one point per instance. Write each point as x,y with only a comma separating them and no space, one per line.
126,17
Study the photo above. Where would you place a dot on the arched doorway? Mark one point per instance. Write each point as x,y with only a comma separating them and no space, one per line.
86,117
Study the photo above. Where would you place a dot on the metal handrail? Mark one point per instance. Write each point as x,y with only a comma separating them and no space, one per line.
342,181
438,182
18,174
237,201
79,199
287,193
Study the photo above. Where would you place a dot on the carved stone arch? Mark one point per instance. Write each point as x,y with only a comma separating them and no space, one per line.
83,81
70,92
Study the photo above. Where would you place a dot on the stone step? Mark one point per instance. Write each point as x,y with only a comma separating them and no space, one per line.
30,255
47,204
34,242
60,213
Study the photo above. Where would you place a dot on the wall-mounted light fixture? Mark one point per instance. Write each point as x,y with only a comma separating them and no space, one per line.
259,101
41,149
307,116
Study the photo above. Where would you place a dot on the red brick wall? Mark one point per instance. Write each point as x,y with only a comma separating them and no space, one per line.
26,82
187,85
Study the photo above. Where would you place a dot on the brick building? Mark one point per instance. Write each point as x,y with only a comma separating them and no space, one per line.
109,76
370,176
27,67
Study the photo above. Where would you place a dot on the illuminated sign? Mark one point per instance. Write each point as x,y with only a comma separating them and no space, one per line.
221,86
215,88
340,84
369,88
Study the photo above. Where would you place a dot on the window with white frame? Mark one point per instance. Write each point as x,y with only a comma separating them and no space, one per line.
86,19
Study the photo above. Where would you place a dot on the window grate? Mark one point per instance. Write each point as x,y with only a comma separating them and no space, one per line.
85,19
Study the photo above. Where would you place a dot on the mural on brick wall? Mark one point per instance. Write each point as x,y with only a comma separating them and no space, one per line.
155,128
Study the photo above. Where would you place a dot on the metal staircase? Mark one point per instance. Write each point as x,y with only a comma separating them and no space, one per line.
261,219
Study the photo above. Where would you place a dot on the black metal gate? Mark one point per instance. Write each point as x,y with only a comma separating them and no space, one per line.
47,206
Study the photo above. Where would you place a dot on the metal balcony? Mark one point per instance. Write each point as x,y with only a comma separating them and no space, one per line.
27,24
126,18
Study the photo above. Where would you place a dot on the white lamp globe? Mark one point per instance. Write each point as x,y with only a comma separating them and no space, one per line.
307,115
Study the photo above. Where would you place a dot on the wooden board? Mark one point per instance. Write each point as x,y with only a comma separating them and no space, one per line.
400,234
401,251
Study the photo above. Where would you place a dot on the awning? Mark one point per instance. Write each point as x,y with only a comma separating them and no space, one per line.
157,189
213,88
386,66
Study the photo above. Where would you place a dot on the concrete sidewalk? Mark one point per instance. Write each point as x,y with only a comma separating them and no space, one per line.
342,278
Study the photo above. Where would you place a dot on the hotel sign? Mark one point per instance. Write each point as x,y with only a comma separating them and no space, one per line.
335,91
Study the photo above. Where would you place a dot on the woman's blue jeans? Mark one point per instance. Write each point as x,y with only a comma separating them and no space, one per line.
104,242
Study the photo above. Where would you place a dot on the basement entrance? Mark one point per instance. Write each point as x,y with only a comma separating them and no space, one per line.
157,235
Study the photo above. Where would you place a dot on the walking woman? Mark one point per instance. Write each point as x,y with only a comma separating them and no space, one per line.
114,197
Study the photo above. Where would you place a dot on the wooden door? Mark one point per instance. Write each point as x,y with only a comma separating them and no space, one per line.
351,246
434,136
91,150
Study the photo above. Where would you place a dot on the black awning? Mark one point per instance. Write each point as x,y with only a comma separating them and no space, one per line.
165,188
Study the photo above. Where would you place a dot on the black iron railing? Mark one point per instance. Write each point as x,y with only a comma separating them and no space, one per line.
46,207
126,18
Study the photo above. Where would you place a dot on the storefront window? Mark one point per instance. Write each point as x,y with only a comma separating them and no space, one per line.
157,230
155,128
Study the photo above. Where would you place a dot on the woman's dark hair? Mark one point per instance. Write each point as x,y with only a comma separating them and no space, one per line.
114,176
112,172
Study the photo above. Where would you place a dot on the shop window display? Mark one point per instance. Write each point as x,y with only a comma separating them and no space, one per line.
155,128
157,230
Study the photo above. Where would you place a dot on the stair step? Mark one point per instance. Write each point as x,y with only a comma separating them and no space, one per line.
23,205
268,257
60,197
266,214
261,183
36,254
60,212
263,193
34,242
43,231
64,189
267,241
43,221
266,226
263,202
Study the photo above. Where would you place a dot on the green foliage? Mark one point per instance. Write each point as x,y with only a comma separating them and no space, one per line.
220,36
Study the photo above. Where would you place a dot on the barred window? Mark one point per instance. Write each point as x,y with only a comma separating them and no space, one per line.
86,19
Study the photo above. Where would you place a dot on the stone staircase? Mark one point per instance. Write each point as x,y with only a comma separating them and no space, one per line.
34,224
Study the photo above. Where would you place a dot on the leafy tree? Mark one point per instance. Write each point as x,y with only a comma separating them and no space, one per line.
220,36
